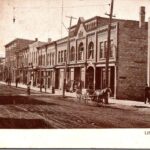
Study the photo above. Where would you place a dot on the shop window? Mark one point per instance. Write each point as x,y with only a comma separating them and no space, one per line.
91,51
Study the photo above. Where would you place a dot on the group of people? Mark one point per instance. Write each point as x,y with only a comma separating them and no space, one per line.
8,81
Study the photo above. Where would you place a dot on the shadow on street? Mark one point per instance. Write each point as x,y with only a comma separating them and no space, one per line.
13,123
6,100
141,106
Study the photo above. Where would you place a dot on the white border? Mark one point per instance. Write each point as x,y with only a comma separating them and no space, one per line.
75,138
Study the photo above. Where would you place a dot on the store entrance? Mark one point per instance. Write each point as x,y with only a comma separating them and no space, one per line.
90,77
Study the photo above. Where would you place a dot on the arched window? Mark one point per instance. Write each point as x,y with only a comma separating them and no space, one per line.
80,51
72,54
91,51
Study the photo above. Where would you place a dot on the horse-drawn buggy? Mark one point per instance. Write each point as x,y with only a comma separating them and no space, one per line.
94,95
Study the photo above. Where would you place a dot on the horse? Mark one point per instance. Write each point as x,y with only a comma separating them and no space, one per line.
101,95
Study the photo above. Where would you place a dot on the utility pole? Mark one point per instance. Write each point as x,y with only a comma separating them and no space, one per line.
67,54
108,45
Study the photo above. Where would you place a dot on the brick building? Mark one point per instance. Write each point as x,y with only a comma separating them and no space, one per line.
128,55
33,59
86,58
22,64
148,56
2,68
11,58
47,63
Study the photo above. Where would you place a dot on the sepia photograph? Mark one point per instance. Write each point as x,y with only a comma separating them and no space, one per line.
80,65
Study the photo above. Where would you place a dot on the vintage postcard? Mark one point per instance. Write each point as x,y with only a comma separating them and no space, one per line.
74,73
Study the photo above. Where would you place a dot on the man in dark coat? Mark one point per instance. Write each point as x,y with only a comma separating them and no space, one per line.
17,81
147,90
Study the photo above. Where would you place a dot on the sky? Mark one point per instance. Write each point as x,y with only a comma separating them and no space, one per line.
45,19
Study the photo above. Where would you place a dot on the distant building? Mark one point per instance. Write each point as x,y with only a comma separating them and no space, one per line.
11,58
47,62
2,68
27,62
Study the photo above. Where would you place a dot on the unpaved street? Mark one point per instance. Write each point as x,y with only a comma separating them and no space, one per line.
17,110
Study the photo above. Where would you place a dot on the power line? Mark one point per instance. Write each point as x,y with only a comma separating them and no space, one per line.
53,7
64,26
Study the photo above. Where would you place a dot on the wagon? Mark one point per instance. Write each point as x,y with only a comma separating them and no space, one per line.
98,95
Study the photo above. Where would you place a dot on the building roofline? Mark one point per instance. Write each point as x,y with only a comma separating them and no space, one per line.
50,43
46,44
87,20
16,40
62,39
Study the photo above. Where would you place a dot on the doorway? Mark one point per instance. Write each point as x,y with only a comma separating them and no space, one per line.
101,78
90,77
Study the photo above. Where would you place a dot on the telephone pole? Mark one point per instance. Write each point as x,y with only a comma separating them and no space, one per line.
108,45
67,54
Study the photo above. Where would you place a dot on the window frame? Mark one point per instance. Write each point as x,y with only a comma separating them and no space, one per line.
90,50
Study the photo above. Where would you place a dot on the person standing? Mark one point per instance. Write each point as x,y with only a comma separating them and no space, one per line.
28,87
147,88
17,81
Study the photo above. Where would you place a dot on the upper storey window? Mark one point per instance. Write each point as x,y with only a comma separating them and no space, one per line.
72,54
80,51
91,51
103,49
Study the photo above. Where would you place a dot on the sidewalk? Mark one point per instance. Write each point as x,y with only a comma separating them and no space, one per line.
68,94
48,91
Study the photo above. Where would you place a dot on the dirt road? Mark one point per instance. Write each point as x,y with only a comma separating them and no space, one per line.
47,111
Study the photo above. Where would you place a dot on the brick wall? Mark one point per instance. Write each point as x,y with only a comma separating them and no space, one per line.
132,61
148,69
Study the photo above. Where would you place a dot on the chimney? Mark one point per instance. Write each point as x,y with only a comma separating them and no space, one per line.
49,40
142,17
36,39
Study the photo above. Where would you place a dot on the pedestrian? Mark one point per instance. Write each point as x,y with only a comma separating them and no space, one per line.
9,81
106,94
28,87
147,96
17,81
6,81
